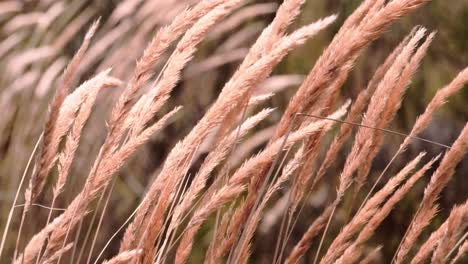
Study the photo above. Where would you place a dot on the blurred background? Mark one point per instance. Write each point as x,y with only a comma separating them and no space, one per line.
37,39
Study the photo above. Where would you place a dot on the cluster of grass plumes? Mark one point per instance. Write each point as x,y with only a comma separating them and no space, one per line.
199,183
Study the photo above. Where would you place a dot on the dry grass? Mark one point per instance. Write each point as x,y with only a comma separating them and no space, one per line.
206,179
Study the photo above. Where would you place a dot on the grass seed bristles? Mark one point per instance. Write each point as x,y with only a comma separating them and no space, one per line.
393,104
236,183
77,208
242,250
456,224
370,208
234,91
49,148
211,161
50,143
365,138
352,254
153,52
431,244
423,121
181,56
84,98
438,181
340,54
356,109
264,64
188,43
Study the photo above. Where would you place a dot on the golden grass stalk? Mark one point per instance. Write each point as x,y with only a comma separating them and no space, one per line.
340,139
437,101
153,52
236,183
353,253
378,105
356,109
365,139
392,106
242,251
211,161
457,216
426,249
50,143
438,181
312,29
285,15
36,243
77,208
173,163
456,224
183,53
270,36
409,70
83,98
110,157
321,87
242,16
276,30
359,30
234,91
167,207
371,207
87,92
212,254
